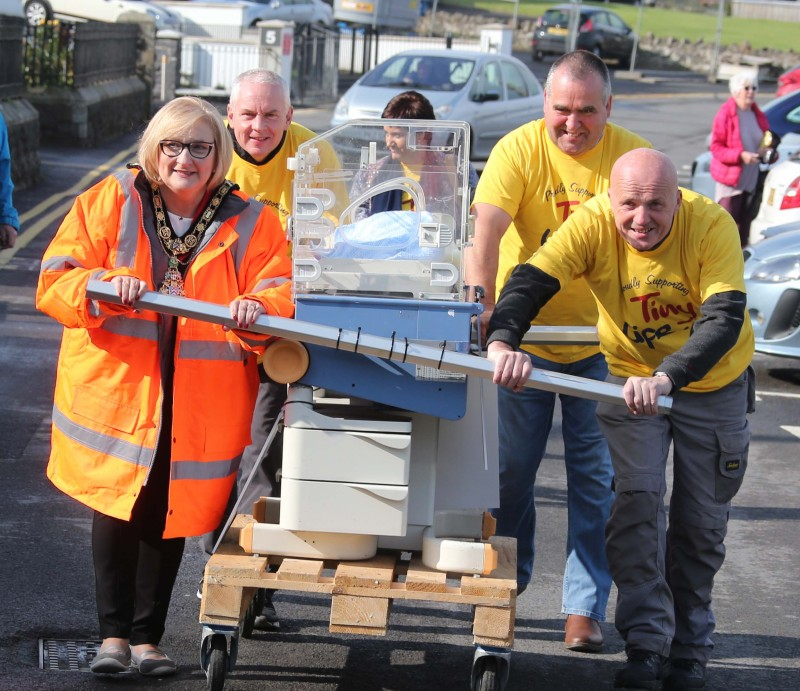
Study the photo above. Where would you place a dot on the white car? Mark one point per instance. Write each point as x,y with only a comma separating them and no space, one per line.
11,8
493,93
780,202
40,11
298,11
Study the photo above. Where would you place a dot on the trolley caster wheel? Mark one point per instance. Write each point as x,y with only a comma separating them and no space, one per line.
253,610
490,669
485,674
217,663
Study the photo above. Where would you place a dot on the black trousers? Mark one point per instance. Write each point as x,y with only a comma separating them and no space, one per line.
135,568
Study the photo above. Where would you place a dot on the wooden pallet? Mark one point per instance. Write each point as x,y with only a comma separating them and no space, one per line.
362,591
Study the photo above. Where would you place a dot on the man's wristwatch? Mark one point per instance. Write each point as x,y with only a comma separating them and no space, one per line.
664,374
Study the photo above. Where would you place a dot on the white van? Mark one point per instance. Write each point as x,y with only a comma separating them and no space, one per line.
39,11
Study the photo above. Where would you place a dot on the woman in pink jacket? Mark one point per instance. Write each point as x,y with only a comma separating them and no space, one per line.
738,128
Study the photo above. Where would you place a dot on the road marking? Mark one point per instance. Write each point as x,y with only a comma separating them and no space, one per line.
792,430
776,394
63,200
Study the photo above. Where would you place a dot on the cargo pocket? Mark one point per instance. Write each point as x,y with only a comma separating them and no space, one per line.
732,463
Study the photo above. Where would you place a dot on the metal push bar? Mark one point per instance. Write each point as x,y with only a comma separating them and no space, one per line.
398,349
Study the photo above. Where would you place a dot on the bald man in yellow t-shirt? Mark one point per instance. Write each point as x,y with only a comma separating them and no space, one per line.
535,177
667,270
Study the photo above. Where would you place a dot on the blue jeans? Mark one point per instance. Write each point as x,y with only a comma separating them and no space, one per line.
525,420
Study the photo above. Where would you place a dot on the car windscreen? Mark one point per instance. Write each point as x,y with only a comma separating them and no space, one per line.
430,73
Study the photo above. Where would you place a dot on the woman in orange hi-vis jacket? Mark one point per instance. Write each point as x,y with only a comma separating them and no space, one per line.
152,412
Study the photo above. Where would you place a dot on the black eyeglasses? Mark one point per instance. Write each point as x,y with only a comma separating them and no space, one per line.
173,149
750,88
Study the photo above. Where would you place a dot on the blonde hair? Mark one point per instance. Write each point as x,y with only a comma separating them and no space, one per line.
173,121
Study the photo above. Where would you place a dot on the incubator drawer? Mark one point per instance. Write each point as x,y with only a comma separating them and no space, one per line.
343,507
346,456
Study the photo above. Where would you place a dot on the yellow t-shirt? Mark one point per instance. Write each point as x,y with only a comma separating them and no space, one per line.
539,186
649,301
271,182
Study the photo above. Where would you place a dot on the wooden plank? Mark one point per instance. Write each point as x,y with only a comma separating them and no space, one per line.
301,570
224,567
221,604
496,623
366,615
506,548
420,578
376,573
235,529
489,587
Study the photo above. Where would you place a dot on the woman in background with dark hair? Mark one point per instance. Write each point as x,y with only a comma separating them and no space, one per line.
409,159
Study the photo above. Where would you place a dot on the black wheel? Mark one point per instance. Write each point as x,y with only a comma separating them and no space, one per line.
38,12
597,51
217,663
538,56
253,610
487,674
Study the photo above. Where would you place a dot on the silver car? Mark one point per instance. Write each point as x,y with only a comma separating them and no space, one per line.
493,93
772,278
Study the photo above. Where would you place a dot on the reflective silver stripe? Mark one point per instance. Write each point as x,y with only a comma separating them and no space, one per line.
94,305
135,328
205,470
61,263
104,443
270,283
127,243
210,350
245,227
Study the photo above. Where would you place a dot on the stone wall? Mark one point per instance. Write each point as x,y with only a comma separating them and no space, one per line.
23,140
653,53
92,114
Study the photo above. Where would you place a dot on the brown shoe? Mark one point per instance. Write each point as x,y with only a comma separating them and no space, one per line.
583,634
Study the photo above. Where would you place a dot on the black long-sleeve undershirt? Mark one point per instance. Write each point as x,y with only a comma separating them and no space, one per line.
713,334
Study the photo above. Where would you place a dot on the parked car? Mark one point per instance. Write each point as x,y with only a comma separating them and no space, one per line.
493,93
780,202
40,11
11,8
789,81
772,280
783,114
298,11
600,31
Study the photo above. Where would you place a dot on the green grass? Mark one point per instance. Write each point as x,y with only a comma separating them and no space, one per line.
663,22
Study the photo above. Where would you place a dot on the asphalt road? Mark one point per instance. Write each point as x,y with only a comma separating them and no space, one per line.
46,577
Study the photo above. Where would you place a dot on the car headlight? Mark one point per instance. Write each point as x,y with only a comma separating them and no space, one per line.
441,112
778,270
342,108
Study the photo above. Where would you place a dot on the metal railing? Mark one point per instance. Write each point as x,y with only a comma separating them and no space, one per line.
315,68
61,54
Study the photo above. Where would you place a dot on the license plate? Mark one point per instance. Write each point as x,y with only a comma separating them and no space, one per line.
771,197
557,31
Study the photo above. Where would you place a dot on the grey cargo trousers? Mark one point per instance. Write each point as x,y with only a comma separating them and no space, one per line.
664,573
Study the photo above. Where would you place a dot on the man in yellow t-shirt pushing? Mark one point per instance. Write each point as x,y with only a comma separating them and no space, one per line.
535,177
666,268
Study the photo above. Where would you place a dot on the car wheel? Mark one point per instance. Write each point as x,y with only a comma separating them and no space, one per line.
38,12
538,56
597,51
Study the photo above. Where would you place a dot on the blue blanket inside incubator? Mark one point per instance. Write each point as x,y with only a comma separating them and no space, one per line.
385,235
